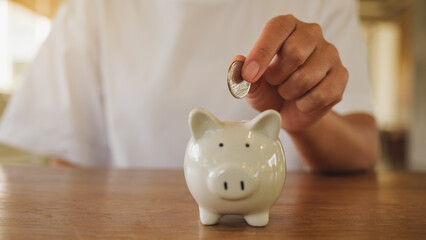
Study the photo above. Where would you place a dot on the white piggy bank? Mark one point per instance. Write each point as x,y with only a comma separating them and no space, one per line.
235,167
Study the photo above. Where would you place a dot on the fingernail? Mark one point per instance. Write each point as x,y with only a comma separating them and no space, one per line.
251,70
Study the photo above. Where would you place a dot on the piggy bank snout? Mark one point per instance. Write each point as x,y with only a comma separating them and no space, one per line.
232,183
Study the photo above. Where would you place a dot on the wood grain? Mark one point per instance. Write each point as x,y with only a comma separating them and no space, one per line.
62,203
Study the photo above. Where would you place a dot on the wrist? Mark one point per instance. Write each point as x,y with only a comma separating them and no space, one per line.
307,125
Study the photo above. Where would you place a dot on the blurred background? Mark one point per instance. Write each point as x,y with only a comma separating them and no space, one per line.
395,32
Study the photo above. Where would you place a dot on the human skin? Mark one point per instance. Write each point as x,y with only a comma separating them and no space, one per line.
299,74
295,71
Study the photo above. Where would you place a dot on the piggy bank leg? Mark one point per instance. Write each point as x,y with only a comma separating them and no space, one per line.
208,217
258,219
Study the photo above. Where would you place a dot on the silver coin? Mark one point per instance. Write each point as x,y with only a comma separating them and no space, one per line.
236,84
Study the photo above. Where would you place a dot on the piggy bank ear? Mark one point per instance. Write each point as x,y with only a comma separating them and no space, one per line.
201,121
267,122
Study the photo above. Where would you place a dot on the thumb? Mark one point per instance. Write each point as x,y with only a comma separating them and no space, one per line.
263,96
271,39
238,57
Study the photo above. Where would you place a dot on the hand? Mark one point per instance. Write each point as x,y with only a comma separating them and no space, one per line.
295,71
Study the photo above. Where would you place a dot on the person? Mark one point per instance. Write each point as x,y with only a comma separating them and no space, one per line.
115,81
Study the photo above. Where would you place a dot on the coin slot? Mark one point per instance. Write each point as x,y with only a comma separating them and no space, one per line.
225,185
242,185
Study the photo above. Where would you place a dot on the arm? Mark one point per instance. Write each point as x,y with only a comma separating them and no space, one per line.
295,71
339,143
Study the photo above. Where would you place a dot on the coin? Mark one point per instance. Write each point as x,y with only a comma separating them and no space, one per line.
236,84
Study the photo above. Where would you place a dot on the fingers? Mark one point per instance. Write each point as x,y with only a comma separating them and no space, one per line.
327,93
259,90
238,57
296,50
297,68
263,96
273,35
308,75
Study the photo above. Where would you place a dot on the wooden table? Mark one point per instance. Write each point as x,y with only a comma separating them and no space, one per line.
63,203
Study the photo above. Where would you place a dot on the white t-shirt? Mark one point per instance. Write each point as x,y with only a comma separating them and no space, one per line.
115,81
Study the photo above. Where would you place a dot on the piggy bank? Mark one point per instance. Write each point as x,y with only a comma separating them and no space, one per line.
235,167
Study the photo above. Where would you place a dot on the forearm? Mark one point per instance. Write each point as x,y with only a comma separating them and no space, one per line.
339,143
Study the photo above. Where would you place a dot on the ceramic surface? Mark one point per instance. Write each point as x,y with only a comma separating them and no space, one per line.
235,167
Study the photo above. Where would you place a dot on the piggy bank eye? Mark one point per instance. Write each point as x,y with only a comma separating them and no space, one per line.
220,144
247,145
